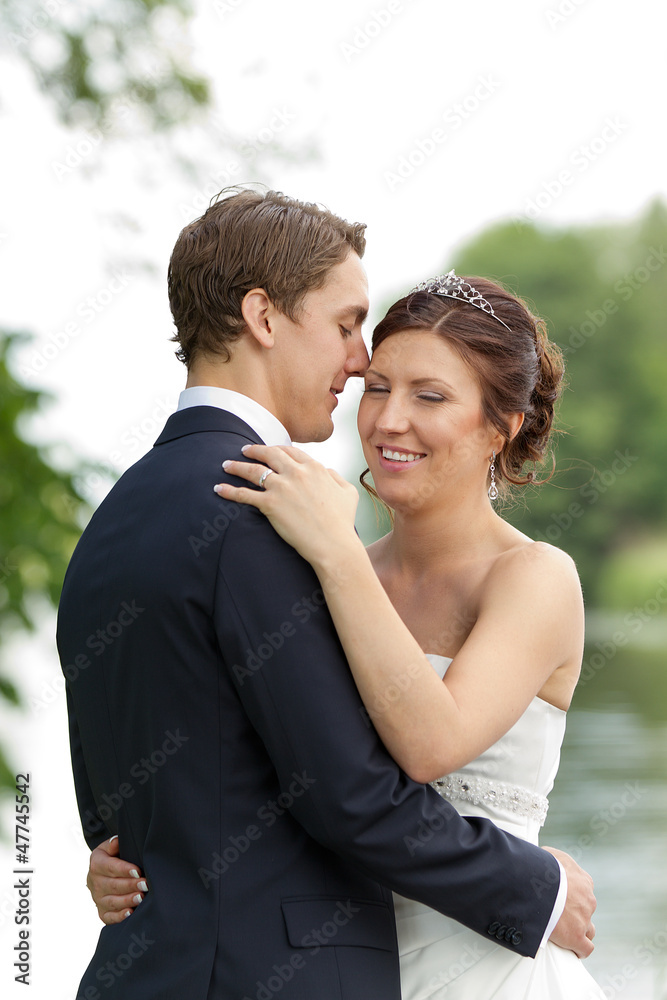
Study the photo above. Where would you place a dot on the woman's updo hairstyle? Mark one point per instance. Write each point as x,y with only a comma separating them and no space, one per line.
518,370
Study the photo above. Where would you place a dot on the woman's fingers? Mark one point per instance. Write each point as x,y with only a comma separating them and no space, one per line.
276,460
256,474
116,886
275,455
104,863
115,909
240,494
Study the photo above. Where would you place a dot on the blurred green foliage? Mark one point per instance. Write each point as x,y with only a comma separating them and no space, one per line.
603,292
100,65
97,61
42,515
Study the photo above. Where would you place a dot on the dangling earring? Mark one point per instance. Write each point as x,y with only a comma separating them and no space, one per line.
493,489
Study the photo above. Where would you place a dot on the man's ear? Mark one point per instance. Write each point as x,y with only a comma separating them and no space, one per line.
257,310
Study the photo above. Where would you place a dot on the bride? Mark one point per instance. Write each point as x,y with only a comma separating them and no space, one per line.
464,636
458,398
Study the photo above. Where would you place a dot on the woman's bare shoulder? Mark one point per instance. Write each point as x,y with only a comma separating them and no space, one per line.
536,570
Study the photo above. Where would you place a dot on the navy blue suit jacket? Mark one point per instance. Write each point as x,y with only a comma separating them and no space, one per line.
215,727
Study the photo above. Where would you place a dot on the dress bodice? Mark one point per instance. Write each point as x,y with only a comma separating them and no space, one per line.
510,781
440,958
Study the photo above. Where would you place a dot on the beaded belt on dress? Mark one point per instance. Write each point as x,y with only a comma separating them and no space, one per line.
483,791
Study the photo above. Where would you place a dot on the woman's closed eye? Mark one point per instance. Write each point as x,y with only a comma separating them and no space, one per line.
376,387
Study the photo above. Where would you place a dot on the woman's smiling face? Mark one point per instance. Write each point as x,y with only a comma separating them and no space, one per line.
421,423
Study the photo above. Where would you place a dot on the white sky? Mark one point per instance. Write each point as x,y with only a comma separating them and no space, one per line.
583,94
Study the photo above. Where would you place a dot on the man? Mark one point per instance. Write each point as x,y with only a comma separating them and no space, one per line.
214,724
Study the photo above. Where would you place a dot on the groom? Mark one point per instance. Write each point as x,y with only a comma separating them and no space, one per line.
214,724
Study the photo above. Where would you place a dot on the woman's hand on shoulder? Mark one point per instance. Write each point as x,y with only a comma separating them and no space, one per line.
310,506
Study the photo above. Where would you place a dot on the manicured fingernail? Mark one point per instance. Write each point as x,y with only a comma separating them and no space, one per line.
226,463
245,447
143,885
115,837
218,488
128,913
137,899
134,873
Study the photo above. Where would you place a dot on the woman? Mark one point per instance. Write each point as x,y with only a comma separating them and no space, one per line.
459,395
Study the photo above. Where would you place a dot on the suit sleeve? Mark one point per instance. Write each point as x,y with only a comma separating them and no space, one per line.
280,646
95,829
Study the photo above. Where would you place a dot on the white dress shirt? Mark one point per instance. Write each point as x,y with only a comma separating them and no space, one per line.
264,424
272,432
559,905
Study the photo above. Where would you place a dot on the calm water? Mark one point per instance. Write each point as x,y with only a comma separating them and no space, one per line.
609,810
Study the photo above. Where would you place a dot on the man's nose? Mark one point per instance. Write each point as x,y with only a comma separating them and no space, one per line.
357,355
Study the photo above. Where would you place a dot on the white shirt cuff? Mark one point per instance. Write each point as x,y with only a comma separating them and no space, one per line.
559,906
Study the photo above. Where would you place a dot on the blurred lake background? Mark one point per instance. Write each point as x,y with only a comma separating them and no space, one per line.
526,151
608,811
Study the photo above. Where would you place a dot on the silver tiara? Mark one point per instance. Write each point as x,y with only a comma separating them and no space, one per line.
453,287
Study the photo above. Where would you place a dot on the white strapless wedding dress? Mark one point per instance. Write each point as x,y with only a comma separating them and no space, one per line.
509,784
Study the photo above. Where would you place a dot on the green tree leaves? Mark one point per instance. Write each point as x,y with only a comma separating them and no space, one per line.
603,291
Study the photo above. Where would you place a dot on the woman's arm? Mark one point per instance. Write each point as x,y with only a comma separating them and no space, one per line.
530,611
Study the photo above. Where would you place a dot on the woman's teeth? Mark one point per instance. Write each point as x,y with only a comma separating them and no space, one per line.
400,456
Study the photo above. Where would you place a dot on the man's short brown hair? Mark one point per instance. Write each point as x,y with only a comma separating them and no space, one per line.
250,239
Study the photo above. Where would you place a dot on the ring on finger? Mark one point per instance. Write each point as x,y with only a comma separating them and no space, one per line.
264,476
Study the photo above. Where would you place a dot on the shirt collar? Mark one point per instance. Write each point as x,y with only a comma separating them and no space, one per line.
255,415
